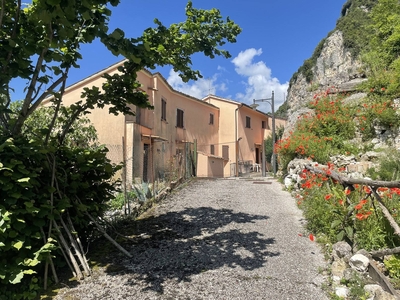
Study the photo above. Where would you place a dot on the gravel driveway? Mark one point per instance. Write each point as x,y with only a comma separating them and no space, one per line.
215,239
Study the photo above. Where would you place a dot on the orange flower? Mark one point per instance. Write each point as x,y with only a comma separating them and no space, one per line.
311,237
360,204
367,190
341,202
365,216
347,191
359,216
327,197
395,190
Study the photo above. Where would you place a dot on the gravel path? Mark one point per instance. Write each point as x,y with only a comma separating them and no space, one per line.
215,239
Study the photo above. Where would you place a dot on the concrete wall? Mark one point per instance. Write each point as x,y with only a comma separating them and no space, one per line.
210,166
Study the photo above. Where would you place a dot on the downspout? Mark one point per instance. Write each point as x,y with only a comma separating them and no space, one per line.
237,139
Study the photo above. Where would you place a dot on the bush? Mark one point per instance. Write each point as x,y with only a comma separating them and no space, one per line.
321,134
32,200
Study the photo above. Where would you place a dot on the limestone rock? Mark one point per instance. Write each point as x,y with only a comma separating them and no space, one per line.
359,263
334,67
376,292
382,295
342,291
341,250
337,269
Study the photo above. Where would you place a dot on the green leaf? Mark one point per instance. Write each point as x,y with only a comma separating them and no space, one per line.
53,2
349,231
28,204
12,43
340,235
17,278
31,262
18,245
26,179
160,48
86,15
12,234
135,59
117,34
336,223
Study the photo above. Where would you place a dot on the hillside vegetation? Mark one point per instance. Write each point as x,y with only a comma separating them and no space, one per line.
366,216
355,24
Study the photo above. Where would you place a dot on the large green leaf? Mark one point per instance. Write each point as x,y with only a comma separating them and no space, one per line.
18,245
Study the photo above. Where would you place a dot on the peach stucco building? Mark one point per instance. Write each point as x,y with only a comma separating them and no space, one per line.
242,130
205,138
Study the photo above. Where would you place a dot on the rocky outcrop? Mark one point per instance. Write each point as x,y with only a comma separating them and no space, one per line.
347,266
335,67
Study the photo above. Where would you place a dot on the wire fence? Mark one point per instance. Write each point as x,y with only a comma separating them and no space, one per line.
148,169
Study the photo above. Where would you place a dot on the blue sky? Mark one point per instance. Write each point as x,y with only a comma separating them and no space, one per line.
277,36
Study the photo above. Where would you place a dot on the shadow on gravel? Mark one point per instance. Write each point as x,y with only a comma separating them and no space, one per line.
177,245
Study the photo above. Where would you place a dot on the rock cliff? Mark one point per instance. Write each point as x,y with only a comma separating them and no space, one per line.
335,67
335,63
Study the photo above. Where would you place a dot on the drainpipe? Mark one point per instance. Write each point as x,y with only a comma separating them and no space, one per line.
237,139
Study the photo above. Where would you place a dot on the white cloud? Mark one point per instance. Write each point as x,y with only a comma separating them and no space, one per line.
199,89
260,83
220,68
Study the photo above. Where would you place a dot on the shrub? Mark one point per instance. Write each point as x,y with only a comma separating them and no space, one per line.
32,199
320,134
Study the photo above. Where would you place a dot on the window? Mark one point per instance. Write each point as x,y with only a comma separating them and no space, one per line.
179,118
225,152
263,124
163,110
211,119
212,150
248,122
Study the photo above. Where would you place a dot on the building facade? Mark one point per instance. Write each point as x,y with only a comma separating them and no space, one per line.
181,136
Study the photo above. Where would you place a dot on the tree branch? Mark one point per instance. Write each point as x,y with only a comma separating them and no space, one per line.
380,253
53,121
64,243
2,12
101,229
350,181
387,214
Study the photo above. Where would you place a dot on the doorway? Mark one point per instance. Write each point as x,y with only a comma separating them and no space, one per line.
257,155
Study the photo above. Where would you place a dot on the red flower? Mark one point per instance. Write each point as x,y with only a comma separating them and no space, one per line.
395,190
367,190
363,216
327,197
347,191
360,216
341,202
358,207
311,237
